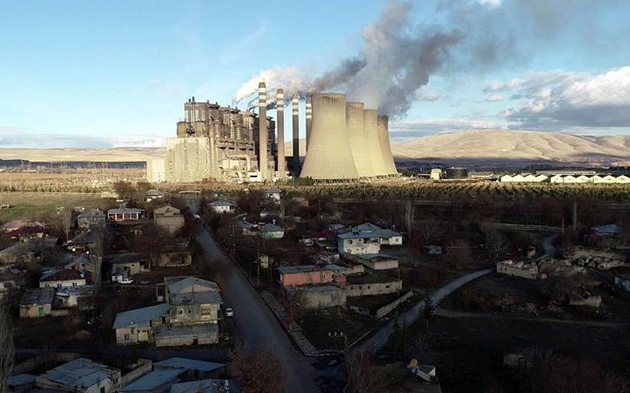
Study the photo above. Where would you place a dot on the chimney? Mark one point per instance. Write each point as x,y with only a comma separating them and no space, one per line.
262,130
282,169
296,135
309,121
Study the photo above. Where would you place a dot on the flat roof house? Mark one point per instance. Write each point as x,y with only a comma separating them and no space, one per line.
82,376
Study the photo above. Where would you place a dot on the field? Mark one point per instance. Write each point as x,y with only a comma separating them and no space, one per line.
39,205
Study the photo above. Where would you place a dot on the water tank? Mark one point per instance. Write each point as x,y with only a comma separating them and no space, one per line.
456,173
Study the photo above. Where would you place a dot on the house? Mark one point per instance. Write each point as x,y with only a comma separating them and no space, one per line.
136,326
370,283
384,236
207,386
273,194
223,206
436,174
125,264
518,269
156,381
64,278
607,230
81,376
374,261
292,276
357,243
270,231
79,297
189,317
125,214
36,303
154,195
168,218
192,367
91,218
622,281
21,383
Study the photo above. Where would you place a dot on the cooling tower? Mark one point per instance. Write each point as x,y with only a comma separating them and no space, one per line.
262,130
383,140
329,156
309,121
282,170
356,137
370,127
295,102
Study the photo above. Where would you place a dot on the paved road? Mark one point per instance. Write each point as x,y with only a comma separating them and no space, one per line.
379,339
257,326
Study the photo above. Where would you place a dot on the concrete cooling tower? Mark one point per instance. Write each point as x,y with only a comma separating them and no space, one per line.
358,142
370,127
329,155
386,150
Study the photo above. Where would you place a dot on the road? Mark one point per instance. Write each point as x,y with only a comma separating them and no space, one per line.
256,325
379,339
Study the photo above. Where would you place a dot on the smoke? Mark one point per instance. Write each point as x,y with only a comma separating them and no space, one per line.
401,55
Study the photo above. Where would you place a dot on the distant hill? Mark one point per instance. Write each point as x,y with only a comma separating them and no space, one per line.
121,154
516,146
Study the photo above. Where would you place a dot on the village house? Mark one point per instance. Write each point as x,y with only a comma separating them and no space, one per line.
270,231
125,214
36,303
223,206
91,218
291,276
125,264
274,194
192,367
518,269
168,218
367,239
64,278
155,195
81,376
189,317
156,381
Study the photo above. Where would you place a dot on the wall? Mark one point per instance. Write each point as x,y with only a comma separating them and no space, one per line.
379,288
64,283
136,335
305,278
175,341
171,259
145,366
323,297
358,246
33,311
519,270
193,313
381,312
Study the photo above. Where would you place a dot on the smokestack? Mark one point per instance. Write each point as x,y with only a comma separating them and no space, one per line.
262,130
386,150
295,102
370,127
309,121
329,155
357,140
282,170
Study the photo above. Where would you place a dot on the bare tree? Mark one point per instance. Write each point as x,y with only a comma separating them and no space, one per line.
6,343
495,242
62,220
410,211
259,370
363,374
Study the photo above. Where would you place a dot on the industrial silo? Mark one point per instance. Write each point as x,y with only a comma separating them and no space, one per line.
370,127
386,150
329,156
356,137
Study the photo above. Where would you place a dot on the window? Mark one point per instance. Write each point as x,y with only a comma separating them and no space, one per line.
126,337
180,312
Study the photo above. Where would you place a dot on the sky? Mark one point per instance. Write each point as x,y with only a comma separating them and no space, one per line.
117,73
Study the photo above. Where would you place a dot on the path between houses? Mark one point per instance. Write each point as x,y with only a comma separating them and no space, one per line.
440,312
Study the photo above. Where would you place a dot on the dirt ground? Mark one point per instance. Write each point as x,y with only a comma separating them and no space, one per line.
334,328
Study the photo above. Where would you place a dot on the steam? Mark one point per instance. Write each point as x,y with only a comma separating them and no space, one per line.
399,56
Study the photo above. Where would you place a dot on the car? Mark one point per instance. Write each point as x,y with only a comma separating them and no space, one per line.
125,281
229,312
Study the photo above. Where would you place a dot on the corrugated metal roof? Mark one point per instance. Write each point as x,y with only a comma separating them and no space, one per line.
153,380
140,317
189,364
80,372
206,386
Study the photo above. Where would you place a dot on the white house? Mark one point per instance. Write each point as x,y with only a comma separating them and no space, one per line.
63,278
136,326
223,206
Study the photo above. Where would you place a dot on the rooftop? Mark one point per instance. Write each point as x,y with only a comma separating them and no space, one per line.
37,296
80,372
140,317
21,379
270,228
189,364
309,268
192,290
186,330
64,275
123,210
207,386
222,203
153,380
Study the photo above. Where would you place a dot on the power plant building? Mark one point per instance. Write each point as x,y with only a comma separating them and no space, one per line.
345,142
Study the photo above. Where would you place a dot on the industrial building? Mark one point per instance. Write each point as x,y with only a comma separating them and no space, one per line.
344,142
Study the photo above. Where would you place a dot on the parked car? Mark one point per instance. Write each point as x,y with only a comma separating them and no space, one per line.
229,312
125,281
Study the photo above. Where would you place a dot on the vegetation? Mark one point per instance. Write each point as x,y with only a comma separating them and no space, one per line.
259,370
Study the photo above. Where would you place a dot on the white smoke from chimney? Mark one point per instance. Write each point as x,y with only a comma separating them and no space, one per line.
291,79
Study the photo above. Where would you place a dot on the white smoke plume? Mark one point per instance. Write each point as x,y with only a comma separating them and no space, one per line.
401,55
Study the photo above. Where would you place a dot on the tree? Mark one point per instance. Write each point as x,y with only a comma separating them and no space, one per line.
259,370
494,241
363,374
8,349
410,211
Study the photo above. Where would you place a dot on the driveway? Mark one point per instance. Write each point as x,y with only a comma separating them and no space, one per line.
256,325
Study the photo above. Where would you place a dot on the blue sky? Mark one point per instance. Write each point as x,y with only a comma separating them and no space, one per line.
111,73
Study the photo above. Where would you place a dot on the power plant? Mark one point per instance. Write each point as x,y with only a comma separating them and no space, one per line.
344,142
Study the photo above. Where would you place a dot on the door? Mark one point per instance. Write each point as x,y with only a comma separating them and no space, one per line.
40,311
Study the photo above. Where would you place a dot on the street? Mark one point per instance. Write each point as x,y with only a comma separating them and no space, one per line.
255,323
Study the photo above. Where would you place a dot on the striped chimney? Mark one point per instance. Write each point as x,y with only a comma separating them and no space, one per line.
295,102
262,130
282,168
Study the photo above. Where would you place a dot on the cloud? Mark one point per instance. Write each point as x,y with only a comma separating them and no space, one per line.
561,100
17,137
415,128
490,3
495,98
237,51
